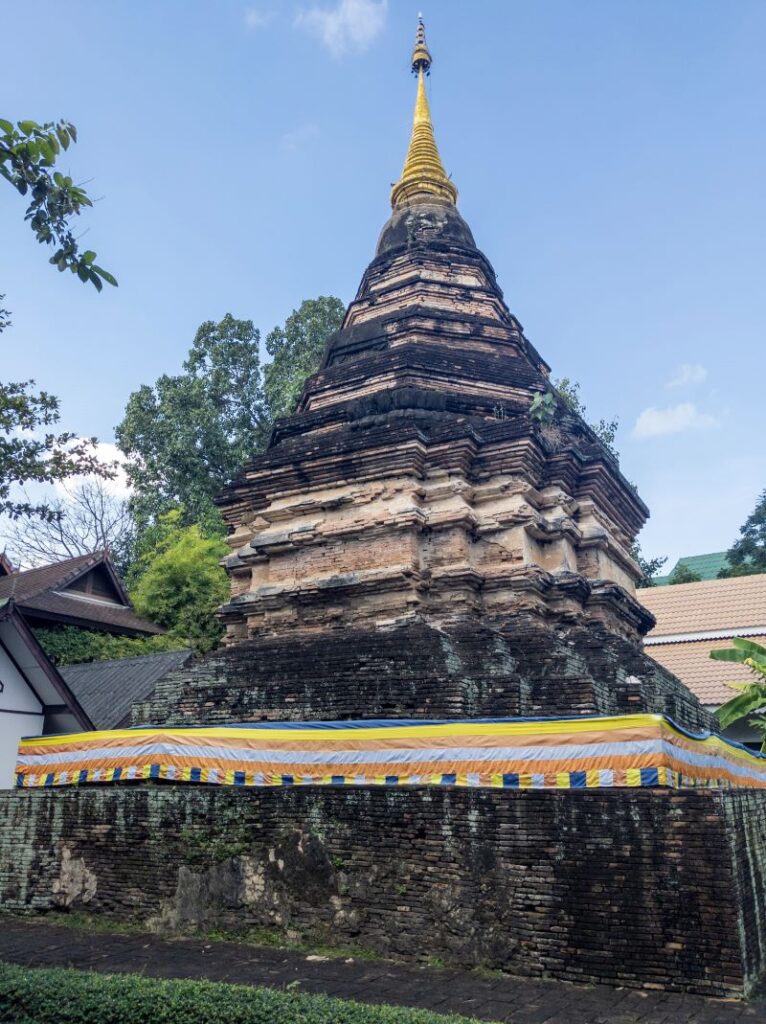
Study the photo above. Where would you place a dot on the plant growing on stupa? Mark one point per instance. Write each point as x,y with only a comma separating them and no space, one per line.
605,430
543,408
751,699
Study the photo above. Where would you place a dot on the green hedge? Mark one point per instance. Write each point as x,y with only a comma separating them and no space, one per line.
56,996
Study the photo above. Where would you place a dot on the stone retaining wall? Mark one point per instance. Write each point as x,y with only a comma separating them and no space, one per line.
632,887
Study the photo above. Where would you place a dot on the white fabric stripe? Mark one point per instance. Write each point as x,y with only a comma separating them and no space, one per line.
157,751
440,756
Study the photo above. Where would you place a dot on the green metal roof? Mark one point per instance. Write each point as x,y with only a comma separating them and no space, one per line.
707,567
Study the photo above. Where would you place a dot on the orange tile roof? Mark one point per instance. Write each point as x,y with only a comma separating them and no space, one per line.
706,678
709,607
736,603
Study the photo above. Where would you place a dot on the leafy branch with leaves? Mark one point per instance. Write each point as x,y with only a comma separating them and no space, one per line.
751,698
28,154
27,456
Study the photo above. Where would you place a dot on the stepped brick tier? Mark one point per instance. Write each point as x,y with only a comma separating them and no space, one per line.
417,539
638,887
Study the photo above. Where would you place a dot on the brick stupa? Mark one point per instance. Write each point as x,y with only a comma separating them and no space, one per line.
420,539
418,542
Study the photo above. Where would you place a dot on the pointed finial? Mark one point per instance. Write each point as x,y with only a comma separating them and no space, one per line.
421,56
423,178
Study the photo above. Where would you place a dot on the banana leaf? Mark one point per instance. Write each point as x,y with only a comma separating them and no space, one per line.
728,654
755,650
753,699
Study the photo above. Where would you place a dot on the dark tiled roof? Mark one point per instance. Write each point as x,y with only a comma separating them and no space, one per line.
37,592
107,689
30,582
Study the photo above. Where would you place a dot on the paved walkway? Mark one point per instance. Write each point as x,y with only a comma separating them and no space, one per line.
515,1000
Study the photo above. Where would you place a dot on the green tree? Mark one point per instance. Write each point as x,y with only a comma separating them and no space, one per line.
649,566
186,436
683,574
605,430
189,435
30,452
747,556
752,696
182,583
296,350
28,153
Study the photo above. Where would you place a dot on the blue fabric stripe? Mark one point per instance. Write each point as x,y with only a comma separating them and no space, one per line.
650,777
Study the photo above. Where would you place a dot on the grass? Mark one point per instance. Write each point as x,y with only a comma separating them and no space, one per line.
63,996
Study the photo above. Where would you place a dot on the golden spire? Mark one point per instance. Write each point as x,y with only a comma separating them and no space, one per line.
423,178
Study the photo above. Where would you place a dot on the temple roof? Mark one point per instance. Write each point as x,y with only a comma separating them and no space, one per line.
83,591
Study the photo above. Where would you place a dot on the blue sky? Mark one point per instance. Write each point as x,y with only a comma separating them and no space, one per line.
611,161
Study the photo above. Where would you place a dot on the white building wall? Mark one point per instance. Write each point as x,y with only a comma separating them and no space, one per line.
20,715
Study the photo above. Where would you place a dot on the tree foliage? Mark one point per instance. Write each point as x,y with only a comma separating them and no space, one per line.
28,154
181,583
296,350
186,436
683,574
70,645
31,452
650,567
605,430
747,556
751,698
89,518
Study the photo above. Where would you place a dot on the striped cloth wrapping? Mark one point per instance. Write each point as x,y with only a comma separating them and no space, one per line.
573,753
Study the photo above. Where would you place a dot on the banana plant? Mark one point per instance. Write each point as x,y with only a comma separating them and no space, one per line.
751,698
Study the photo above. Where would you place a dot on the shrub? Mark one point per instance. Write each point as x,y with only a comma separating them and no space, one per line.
58,996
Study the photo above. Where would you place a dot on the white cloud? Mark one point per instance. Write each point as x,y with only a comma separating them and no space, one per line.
255,19
350,25
687,375
296,139
107,453
675,419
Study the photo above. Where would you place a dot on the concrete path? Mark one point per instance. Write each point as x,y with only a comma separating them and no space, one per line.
513,1000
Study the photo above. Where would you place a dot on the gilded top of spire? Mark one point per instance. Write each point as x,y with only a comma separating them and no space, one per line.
423,178
421,55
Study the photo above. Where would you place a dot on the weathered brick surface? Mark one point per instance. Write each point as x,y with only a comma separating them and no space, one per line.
638,888
521,667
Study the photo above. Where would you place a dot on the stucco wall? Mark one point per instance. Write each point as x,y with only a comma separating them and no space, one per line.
21,714
644,887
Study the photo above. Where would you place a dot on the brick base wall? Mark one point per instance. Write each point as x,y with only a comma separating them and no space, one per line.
466,670
640,888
